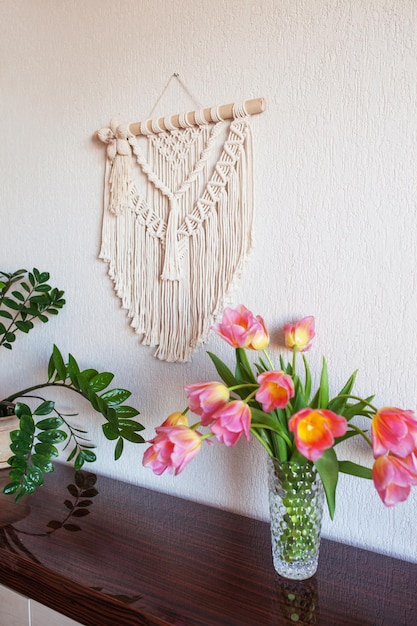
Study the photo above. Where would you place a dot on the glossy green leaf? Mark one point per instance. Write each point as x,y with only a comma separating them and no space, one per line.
89,455
27,423
113,397
72,454
89,374
126,412
79,461
58,364
131,435
43,288
20,446
101,381
52,436
118,449
110,431
46,449
73,371
16,474
11,487
44,409
20,435
42,462
34,475
51,423
11,304
126,423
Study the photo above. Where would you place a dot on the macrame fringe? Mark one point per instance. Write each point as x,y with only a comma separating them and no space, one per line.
174,252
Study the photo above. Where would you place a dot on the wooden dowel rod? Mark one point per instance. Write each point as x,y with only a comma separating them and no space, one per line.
225,111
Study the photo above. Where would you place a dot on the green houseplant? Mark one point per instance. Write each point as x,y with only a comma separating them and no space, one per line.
25,299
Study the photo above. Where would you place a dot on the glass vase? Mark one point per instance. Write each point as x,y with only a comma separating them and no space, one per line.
296,498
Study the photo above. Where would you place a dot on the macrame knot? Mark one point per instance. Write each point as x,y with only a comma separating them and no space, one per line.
119,154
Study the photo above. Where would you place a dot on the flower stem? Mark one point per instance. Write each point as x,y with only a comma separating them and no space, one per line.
360,432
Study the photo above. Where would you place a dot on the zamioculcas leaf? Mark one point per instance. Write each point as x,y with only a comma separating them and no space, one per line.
34,475
43,463
127,412
27,424
114,397
110,431
46,449
52,436
51,423
11,487
44,409
101,381
58,363
118,449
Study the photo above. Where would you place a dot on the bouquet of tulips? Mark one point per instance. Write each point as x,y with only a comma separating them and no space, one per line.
277,406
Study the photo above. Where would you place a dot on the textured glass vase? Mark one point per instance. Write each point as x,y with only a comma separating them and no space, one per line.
296,499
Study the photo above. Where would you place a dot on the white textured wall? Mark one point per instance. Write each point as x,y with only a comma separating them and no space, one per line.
336,219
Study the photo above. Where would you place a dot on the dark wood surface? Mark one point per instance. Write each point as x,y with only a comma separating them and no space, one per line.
108,553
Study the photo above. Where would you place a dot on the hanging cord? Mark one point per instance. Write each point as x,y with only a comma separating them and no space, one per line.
185,88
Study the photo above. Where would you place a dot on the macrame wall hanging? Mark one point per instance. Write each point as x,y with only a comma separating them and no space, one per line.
177,220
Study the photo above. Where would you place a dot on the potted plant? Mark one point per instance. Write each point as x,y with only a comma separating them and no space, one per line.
29,436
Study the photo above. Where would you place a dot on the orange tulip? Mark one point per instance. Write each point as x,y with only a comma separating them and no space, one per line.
315,429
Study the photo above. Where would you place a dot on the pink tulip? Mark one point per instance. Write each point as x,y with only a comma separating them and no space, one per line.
394,430
206,398
230,422
242,329
275,390
393,478
300,334
172,448
315,429
175,419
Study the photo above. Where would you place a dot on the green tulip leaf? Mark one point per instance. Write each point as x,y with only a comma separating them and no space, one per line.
223,371
328,468
354,469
